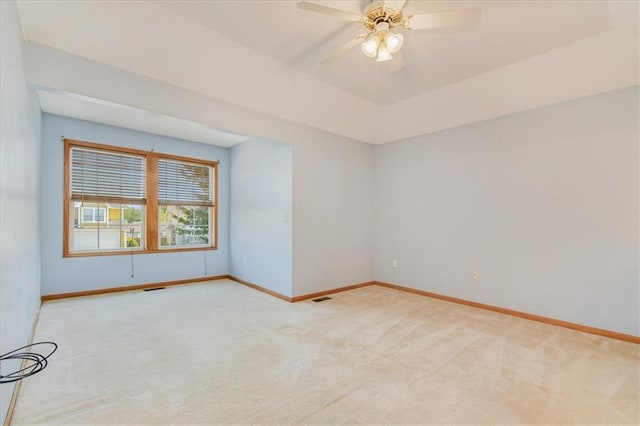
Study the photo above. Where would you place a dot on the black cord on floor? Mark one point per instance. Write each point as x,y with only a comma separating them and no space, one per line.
35,362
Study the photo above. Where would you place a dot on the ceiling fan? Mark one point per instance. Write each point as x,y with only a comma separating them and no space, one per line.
380,16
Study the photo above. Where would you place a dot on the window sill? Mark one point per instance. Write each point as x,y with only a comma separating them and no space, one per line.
136,252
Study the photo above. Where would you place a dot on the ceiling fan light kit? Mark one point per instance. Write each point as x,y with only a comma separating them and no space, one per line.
382,15
382,43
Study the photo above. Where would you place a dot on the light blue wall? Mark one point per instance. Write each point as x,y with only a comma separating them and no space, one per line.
543,204
61,275
19,198
261,207
333,207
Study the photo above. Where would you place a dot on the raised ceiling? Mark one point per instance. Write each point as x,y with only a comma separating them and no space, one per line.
509,32
265,56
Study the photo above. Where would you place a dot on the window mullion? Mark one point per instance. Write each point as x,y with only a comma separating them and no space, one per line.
152,202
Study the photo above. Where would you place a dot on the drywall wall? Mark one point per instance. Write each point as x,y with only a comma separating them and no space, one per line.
62,275
19,198
333,203
332,210
543,204
260,214
333,176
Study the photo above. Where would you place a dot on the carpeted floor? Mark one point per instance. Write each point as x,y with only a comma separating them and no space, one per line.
221,352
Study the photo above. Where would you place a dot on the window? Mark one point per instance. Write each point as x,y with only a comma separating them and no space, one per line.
185,198
120,201
93,215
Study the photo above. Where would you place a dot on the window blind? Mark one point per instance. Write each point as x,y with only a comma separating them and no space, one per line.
107,175
184,183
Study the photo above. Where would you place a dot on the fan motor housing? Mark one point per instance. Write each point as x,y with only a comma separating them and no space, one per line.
382,13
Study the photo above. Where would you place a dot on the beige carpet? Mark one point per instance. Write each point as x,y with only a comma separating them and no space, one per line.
220,352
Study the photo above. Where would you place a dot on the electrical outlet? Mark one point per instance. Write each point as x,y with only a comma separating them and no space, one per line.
394,263
475,275
244,260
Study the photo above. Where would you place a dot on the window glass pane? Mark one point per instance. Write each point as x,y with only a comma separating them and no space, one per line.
106,173
102,184
99,215
87,214
133,224
105,226
180,182
183,226
85,234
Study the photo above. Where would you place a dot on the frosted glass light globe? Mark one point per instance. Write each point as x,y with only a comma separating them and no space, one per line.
383,54
394,42
370,47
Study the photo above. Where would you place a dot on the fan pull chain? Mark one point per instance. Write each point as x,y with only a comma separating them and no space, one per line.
132,248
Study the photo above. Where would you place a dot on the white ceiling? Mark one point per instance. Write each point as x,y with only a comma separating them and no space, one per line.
265,56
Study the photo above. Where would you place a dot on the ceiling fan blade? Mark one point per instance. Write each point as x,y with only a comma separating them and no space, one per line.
451,18
397,63
305,5
395,4
344,49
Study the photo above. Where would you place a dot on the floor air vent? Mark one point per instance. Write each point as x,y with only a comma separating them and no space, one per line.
321,299
154,289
